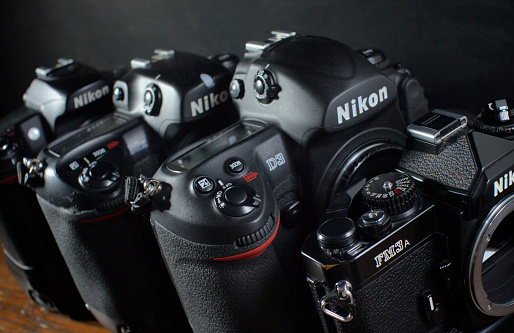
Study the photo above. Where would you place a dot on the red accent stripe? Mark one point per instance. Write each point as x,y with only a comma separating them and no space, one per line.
253,253
103,218
9,180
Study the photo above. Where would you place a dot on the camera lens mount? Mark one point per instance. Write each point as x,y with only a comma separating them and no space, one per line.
491,282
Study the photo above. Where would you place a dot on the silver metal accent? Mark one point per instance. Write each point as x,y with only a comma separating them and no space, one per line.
160,54
376,216
164,52
343,290
139,63
151,187
504,115
278,35
435,136
388,185
480,245
254,46
61,62
34,165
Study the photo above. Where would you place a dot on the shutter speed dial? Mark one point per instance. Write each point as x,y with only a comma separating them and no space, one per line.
393,192
237,200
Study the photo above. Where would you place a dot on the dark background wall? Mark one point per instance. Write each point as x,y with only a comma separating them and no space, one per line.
461,51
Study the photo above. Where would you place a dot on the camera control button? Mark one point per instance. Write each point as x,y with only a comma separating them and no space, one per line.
100,171
236,195
235,165
237,200
203,185
265,87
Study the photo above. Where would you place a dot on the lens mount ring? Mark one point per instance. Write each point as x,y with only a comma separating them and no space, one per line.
480,245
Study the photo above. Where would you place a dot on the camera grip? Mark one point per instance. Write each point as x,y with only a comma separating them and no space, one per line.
117,268
33,256
227,296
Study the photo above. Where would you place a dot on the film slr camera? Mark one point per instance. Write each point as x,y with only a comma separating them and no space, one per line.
60,99
231,212
161,104
428,246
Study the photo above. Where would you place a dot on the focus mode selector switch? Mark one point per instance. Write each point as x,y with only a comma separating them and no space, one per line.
237,200
99,176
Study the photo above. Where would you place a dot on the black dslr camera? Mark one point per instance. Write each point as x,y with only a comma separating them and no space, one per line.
59,100
161,104
428,247
231,212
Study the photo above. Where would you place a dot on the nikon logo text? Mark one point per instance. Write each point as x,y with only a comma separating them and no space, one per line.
392,251
503,183
90,96
360,105
207,102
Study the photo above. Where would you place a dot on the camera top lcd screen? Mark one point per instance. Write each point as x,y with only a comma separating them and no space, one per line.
214,145
94,130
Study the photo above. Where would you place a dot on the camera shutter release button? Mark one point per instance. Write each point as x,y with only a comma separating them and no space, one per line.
100,171
236,195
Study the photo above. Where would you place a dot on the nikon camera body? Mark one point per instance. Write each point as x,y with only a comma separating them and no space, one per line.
161,104
59,100
233,210
425,248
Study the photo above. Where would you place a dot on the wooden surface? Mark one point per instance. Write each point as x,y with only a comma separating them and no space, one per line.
18,314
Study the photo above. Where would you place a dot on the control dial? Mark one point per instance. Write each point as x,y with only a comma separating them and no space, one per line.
99,176
497,118
152,100
265,87
393,192
237,200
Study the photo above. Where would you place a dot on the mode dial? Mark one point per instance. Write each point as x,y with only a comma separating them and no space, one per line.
393,192
497,118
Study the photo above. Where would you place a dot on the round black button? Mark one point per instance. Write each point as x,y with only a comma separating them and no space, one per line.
337,233
204,185
235,165
100,171
236,195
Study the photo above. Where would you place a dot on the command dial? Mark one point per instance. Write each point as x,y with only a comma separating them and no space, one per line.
237,200
394,192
